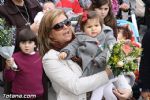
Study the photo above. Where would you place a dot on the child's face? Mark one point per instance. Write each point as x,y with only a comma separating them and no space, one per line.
27,46
92,27
102,11
48,6
120,35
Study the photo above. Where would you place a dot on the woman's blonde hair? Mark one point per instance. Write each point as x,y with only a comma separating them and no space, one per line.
45,41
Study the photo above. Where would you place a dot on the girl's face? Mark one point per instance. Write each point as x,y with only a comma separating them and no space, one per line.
61,34
92,27
27,47
102,11
120,35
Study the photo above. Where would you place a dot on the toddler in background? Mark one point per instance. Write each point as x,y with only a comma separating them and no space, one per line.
46,7
124,33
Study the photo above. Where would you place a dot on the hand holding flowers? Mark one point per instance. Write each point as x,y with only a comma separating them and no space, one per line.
7,40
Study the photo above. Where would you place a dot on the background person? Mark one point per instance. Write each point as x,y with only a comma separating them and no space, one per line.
46,7
104,9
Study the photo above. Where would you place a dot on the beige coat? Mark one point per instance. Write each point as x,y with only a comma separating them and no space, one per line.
65,76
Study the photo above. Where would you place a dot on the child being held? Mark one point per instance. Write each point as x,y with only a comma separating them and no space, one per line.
28,77
92,45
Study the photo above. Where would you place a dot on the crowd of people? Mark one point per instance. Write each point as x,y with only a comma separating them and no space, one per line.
60,61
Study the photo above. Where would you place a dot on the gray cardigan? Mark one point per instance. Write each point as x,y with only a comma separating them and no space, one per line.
94,57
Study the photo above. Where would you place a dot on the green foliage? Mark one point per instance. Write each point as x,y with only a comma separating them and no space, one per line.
7,34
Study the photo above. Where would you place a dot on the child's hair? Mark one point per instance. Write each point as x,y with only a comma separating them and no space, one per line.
27,35
126,32
89,15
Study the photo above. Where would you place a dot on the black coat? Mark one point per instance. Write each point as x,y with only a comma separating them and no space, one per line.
147,12
13,16
145,62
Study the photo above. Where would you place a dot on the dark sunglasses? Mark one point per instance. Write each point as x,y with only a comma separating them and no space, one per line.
60,26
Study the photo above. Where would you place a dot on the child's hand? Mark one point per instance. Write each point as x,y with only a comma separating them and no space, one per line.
9,63
62,55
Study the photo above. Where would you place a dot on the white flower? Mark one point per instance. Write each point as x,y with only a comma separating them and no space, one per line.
120,64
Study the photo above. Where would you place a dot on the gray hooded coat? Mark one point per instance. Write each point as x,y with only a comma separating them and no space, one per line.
94,56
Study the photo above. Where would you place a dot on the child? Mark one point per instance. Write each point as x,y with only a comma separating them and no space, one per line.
28,78
124,33
46,7
91,45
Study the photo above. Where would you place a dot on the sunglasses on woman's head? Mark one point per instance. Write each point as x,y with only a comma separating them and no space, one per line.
60,26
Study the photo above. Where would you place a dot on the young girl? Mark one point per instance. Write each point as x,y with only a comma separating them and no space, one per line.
104,9
92,45
27,80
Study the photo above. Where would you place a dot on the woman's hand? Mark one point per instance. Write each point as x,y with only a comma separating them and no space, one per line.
123,94
145,95
109,72
9,63
62,55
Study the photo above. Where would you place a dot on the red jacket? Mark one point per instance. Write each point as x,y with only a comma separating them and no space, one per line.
73,4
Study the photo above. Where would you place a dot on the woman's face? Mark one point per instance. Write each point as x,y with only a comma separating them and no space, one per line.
63,34
102,11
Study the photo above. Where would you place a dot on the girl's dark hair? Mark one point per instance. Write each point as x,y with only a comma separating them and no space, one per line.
110,19
90,15
27,35
126,32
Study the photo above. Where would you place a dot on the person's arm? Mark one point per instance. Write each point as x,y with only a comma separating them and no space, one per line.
71,48
62,74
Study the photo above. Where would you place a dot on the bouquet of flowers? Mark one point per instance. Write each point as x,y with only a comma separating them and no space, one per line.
123,58
7,40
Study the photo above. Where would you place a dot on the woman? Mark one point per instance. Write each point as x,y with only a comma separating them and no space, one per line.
55,32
